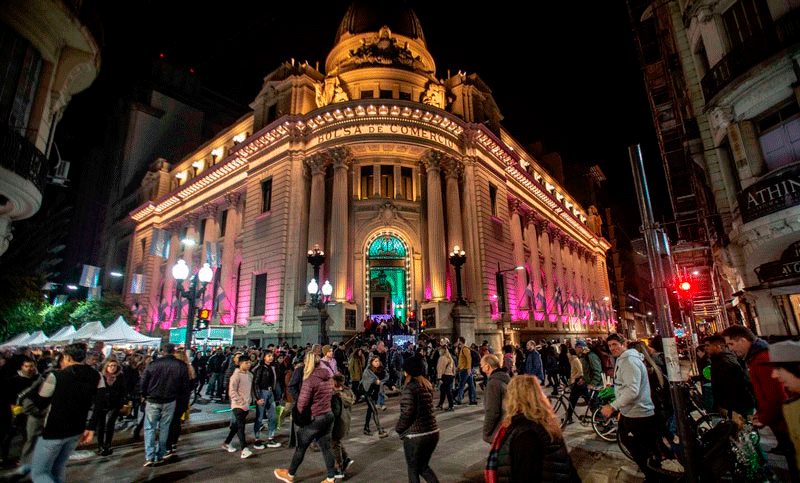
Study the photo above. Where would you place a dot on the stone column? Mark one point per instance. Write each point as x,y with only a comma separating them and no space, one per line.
519,253
559,275
436,250
548,268
533,243
579,281
316,207
229,267
573,273
169,280
455,231
339,214
192,254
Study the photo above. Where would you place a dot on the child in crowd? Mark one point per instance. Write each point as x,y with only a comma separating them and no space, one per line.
240,389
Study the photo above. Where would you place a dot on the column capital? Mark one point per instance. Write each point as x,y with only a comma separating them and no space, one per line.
211,209
316,163
192,218
174,227
516,206
532,218
234,198
453,168
572,244
340,157
434,160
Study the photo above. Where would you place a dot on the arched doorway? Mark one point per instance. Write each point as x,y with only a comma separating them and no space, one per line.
387,276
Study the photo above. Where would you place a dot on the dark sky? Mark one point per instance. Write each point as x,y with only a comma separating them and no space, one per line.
562,73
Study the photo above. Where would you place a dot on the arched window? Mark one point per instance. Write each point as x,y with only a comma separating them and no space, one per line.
387,247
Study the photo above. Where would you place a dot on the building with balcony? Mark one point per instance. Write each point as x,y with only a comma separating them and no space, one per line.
386,168
50,51
730,73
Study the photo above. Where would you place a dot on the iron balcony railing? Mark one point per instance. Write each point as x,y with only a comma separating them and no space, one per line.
754,50
21,156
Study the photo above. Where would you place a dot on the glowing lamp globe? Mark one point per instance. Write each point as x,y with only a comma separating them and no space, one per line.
180,270
313,287
327,288
205,274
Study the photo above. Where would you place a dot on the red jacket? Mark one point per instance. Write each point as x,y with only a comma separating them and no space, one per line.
769,392
316,392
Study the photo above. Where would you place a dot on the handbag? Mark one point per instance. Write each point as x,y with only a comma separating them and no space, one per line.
126,409
301,419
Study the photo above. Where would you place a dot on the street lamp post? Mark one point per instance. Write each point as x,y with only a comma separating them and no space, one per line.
319,295
457,259
181,271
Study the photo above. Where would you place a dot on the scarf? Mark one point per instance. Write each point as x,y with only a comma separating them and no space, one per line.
490,473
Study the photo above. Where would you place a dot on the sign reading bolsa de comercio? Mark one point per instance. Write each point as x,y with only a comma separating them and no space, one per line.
786,268
777,192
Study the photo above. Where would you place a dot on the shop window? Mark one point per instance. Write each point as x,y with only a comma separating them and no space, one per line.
779,136
387,181
259,295
266,195
366,182
407,183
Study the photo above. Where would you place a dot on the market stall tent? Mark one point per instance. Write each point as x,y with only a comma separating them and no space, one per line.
37,339
83,334
14,341
64,333
120,333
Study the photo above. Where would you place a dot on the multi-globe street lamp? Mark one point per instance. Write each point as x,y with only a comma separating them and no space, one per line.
319,295
180,271
457,258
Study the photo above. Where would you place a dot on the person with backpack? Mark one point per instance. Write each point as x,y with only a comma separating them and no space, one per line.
592,380
465,377
341,406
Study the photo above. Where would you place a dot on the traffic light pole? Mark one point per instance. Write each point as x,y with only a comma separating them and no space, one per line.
661,264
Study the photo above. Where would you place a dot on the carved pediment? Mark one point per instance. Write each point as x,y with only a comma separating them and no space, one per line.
385,50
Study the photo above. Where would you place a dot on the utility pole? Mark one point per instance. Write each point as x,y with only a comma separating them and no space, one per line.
660,264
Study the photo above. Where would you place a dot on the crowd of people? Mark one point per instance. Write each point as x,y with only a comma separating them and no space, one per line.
76,395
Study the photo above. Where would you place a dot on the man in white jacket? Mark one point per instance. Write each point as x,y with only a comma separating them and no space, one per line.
638,424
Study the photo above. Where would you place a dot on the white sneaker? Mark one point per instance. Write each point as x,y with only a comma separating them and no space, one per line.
229,448
273,444
246,453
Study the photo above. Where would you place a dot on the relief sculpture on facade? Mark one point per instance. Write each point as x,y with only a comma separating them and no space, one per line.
330,91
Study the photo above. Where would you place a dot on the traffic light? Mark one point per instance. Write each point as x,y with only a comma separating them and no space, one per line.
411,316
201,323
685,289
422,325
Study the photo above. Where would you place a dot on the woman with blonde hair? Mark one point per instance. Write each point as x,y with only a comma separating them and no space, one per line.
529,445
446,369
315,398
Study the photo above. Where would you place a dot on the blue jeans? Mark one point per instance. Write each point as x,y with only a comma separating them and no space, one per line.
269,408
465,377
50,459
381,399
157,418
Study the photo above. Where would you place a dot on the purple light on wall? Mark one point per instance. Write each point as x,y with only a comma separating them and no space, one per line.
428,293
553,318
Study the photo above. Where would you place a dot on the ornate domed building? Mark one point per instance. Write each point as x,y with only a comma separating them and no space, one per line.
386,168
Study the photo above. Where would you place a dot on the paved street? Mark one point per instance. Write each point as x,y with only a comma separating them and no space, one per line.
460,456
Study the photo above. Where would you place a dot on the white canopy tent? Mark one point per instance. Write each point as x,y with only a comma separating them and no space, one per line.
62,333
14,341
120,333
84,333
37,339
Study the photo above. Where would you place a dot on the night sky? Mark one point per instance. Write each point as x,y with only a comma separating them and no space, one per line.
561,73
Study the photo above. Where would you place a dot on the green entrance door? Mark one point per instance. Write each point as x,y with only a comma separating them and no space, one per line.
387,277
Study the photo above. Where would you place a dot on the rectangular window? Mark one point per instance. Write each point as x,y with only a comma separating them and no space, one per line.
493,199
202,231
266,195
386,94
223,221
183,235
272,113
387,181
407,183
779,136
405,96
259,295
744,19
366,182
368,94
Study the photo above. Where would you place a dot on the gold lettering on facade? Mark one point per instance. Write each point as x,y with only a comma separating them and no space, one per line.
393,128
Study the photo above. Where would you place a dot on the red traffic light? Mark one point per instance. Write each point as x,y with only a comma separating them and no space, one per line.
685,286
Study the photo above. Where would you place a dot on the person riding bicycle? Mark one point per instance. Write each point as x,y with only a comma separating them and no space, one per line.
591,382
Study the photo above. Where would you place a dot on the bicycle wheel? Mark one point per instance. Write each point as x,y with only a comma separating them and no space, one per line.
560,409
604,427
622,447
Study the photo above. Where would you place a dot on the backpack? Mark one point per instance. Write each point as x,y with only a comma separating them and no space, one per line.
476,358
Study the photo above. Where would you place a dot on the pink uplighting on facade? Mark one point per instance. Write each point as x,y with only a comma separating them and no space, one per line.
428,293
538,316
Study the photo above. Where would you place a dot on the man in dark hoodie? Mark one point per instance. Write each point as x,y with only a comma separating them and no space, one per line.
768,391
729,382
493,395
69,393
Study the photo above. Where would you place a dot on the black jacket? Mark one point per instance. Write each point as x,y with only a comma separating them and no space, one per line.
527,453
730,384
214,364
264,377
416,410
72,398
166,379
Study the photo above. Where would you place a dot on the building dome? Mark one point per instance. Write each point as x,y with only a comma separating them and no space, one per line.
370,16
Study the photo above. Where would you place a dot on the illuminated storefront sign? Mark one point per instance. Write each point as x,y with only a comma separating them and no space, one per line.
788,267
777,192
